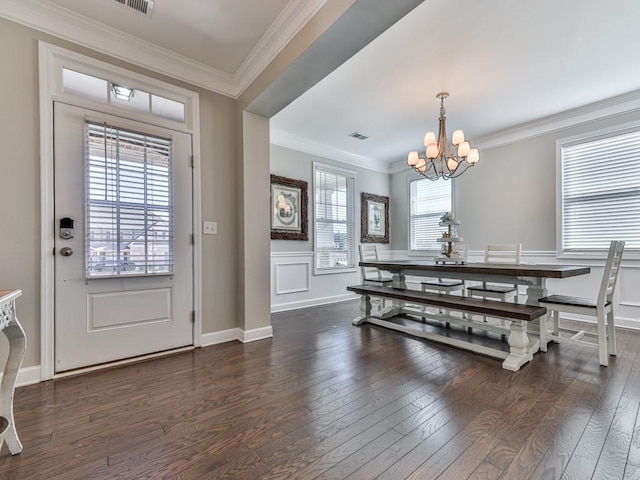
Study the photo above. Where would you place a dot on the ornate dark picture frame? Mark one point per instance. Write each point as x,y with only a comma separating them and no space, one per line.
288,209
374,218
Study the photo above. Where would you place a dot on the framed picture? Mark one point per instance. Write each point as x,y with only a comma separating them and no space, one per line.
288,209
374,218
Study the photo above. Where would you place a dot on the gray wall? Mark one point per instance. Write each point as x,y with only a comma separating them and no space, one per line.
508,197
292,260
20,185
299,166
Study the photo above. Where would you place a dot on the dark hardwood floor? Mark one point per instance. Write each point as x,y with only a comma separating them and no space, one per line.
324,399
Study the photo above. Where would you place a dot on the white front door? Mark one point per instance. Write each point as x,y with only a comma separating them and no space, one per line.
124,281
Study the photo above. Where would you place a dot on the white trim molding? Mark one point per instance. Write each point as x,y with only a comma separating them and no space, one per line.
280,274
223,336
68,25
313,302
236,334
28,376
256,334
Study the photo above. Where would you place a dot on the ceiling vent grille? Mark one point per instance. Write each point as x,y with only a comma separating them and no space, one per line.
358,136
142,6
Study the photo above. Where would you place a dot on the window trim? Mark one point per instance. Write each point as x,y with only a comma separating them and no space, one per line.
412,177
567,142
352,212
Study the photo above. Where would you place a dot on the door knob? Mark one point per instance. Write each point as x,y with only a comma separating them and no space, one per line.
66,251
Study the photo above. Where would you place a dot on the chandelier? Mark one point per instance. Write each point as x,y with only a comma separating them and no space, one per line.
441,159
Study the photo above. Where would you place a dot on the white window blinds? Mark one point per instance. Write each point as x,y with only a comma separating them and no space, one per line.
428,201
129,208
334,208
601,193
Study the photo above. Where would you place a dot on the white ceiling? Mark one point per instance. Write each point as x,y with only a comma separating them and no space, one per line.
219,33
505,63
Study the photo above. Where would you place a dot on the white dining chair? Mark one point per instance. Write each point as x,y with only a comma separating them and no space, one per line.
508,253
504,253
371,275
601,308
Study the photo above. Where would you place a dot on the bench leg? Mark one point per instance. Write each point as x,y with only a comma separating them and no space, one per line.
543,332
365,310
520,350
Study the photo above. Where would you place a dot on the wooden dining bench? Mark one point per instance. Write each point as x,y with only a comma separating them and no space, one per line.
521,346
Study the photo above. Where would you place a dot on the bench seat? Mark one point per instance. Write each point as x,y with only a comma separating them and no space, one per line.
521,347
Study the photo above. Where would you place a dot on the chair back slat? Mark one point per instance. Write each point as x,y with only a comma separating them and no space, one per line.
369,253
610,274
503,253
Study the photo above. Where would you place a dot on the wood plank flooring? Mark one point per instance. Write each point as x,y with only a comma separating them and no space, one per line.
326,400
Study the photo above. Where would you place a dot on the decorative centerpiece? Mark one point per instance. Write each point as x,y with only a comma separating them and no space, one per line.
448,239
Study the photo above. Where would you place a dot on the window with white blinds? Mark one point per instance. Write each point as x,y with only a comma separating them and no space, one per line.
600,182
334,213
428,201
129,207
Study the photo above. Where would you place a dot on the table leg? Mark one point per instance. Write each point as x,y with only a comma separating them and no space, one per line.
365,310
536,291
520,348
17,349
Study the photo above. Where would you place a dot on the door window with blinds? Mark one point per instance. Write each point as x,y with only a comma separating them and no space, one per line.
334,208
129,208
428,201
600,185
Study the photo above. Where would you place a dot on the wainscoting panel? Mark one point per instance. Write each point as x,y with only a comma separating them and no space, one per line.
294,286
292,277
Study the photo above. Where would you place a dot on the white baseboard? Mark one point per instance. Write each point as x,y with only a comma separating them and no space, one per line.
222,336
256,334
28,376
313,302
232,334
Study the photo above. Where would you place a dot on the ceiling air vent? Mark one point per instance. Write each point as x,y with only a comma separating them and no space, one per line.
358,136
142,6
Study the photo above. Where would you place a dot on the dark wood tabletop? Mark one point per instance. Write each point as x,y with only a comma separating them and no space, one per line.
522,270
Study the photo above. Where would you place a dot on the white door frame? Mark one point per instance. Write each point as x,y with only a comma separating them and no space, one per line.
52,59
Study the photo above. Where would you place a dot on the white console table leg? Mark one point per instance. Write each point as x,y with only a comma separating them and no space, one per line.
17,348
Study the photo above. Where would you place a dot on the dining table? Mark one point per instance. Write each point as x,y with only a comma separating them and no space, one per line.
532,276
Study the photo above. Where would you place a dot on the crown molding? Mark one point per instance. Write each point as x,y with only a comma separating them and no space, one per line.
286,26
608,108
63,23
284,139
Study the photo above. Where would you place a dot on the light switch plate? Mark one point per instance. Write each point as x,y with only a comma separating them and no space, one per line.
210,228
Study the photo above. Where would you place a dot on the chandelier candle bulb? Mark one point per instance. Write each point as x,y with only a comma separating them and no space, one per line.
432,150
429,138
442,159
458,137
463,149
